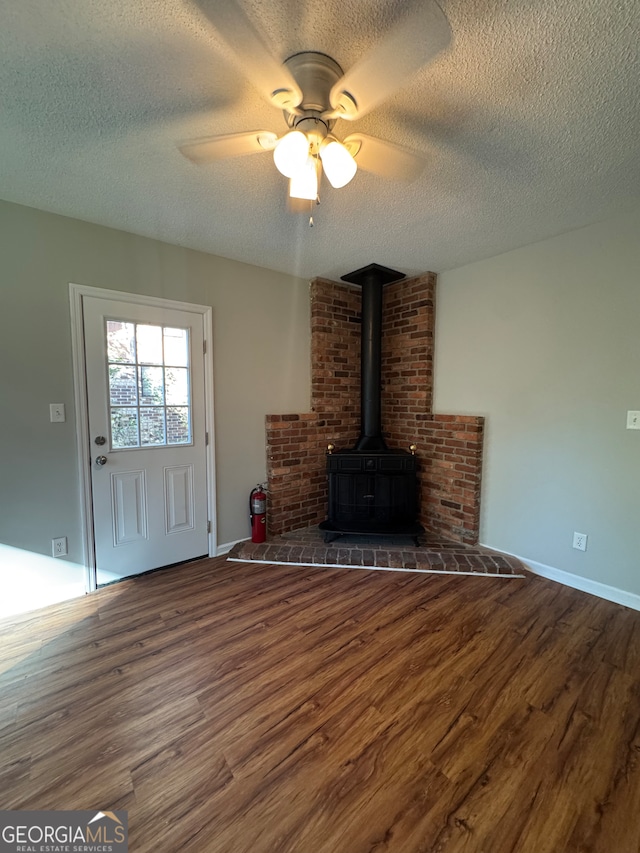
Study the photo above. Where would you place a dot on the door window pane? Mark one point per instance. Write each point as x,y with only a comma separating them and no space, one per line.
124,428
149,385
149,340
178,425
177,386
176,351
152,426
123,389
121,342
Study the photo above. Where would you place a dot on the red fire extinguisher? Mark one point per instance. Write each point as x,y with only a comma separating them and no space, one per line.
258,514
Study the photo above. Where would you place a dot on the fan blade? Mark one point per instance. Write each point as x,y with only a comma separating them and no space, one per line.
409,45
384,158
211,148
253,58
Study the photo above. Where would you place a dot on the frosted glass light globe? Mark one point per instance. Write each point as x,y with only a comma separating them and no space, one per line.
304,184
339,166
291,152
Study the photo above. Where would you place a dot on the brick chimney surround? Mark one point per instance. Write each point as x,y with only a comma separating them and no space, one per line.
449,446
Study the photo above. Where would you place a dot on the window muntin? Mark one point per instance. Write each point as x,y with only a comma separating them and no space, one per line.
149,385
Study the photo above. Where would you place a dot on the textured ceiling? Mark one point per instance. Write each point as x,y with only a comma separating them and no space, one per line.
530,122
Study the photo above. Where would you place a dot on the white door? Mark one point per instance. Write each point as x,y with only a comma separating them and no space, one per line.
145,401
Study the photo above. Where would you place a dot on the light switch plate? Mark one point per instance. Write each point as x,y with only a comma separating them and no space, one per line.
633,420
56,413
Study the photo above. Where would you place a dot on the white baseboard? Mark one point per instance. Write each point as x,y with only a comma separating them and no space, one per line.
227,546
601,590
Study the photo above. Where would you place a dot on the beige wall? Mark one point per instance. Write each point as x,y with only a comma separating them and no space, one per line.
261,362
545,341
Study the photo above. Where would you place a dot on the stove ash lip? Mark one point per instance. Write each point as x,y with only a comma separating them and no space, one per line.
371,279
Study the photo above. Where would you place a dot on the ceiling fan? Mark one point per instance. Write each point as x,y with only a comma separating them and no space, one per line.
314,94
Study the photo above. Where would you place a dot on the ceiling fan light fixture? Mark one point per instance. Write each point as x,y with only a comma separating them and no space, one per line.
339,166
304,184
291,153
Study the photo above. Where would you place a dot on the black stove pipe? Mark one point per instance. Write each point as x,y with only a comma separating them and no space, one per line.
371,279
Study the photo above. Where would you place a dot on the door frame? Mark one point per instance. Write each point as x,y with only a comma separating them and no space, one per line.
77,292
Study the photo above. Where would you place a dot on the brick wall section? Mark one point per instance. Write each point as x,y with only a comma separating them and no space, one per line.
296,468
297,444
451,475
335,349
407,357
449,446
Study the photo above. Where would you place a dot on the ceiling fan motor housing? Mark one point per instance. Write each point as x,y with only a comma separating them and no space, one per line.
316,74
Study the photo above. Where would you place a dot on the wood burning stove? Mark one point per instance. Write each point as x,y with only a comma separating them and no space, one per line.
372,490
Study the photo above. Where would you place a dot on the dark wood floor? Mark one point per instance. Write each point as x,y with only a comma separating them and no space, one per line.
272,709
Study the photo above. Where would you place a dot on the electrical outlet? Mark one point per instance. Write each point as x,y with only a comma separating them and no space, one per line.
59,547
580,541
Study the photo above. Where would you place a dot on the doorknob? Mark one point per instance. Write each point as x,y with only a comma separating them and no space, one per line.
101,460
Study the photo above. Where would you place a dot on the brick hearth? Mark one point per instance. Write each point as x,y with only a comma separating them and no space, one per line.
449,446
434,554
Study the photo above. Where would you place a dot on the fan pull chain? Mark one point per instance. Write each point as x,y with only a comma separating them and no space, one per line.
311,210
319,172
